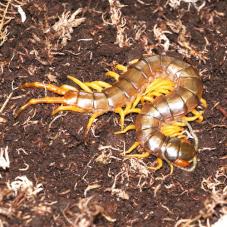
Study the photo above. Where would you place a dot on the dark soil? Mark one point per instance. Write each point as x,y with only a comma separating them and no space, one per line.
55,152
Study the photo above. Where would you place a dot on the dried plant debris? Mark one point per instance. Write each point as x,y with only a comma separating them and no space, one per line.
66,23
176,3
84,213
184,46
216,205
92,184
52,37
4,158
161,38
22,183
118,21
8,10
19,200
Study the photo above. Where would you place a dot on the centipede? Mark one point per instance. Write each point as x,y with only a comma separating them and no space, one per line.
164,92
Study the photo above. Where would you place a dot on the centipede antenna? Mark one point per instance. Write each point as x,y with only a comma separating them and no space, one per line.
171,165
195,138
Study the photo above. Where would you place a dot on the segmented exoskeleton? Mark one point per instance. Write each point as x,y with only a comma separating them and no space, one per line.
182,100
133,86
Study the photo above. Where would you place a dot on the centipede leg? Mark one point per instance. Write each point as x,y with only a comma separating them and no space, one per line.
121,112
147,98
50,87
81,84
159,86
133,147
60,100
97,85
80,110
68,87
113,75
91,121
121,68
159,164
174,129
203,102
68,108
198,115
129,127
139,156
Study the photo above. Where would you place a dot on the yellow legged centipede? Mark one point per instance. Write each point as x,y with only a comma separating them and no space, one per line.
132,87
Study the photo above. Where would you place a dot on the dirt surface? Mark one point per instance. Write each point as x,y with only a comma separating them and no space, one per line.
89,183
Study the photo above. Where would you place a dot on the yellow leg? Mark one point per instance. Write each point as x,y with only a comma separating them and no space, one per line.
170,130
129,127
133,147
80,84
159,164
139,156
121,67
173,129
124,112
157,93
49,87
158,87
133,61
198,115
113,75
128,107
137,100
134,110
68,87
103,84
97,85
91,120
94,86
68,108
203,102
41,100
160,83
120,111
147,98
180,124
179,135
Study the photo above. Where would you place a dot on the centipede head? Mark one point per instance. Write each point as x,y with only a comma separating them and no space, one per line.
181,154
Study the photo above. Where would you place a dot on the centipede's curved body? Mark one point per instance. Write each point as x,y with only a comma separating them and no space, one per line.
184,98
